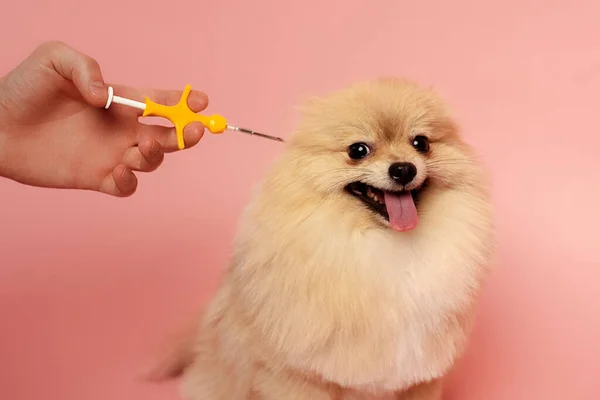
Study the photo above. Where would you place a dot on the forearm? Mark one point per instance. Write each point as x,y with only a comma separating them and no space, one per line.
3,152
6,142
3,130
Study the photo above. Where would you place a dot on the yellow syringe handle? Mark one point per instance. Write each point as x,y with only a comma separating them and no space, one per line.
181,116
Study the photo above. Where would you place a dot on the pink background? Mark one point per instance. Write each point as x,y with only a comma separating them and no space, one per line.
90,285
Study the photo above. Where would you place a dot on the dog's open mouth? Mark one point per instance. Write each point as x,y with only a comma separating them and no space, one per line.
398,208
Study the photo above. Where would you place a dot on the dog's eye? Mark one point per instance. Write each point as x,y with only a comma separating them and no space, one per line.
421,144
357,151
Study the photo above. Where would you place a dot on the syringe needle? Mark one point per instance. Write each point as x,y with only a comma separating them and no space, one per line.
249,132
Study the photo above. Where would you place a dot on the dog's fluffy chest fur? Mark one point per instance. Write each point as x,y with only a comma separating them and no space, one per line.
362,308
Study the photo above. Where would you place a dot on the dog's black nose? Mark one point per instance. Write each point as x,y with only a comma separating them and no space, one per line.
403,172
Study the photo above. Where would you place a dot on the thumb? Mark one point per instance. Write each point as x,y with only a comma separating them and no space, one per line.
78,68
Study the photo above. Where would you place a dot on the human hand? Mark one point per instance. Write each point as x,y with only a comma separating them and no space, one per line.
55,132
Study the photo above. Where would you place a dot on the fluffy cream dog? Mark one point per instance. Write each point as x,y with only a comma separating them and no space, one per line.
357,266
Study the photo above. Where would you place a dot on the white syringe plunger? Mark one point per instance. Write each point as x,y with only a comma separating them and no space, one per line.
121,100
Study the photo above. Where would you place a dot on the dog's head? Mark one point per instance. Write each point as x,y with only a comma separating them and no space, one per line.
384,145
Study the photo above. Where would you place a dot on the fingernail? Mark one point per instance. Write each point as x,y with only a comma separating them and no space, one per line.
154,148
98,89
125,176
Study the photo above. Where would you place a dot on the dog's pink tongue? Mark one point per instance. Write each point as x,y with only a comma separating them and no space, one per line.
401,210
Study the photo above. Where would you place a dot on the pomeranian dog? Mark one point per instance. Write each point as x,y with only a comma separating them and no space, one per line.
357,266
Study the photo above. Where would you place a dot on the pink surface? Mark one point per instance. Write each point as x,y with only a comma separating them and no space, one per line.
90,284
